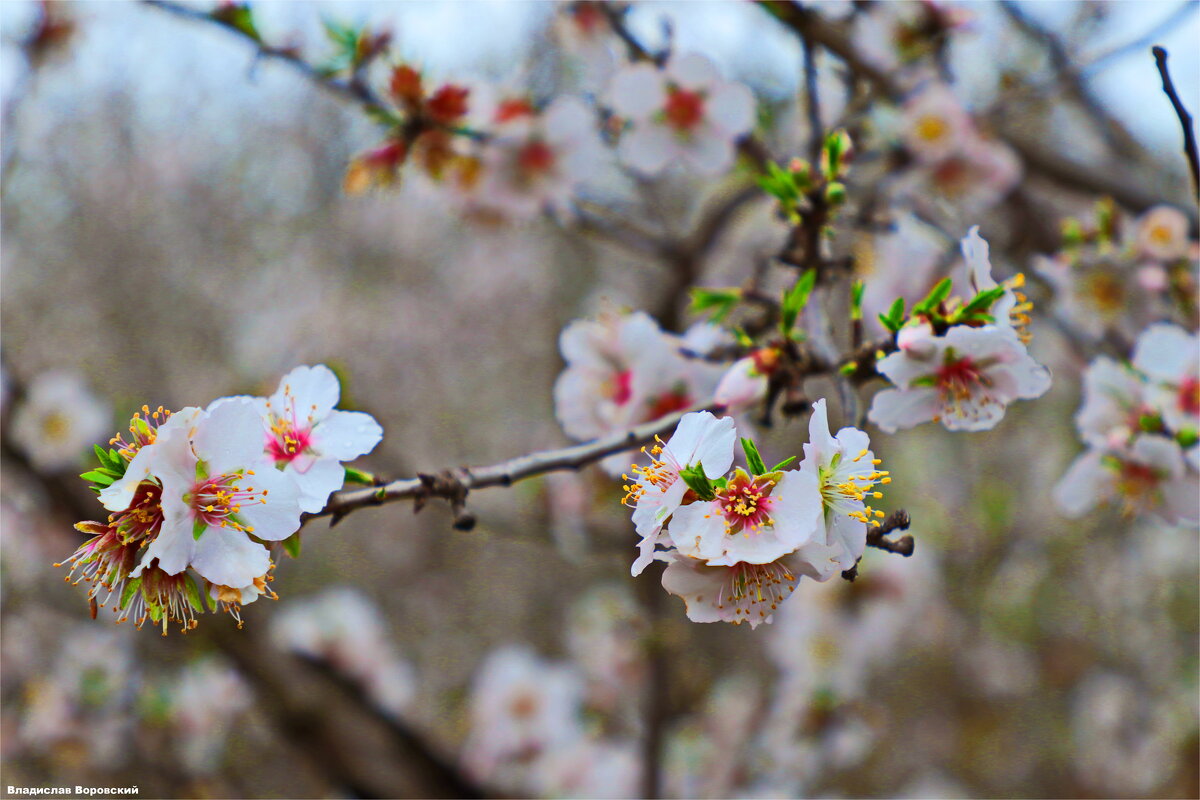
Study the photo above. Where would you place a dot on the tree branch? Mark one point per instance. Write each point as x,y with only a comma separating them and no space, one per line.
1185,119
353,89
454,484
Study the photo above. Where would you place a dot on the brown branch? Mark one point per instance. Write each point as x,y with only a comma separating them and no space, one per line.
1185,119
897,521
454,484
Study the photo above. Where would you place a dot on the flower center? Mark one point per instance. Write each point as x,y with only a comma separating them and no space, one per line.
144,515
287,441
931,128
1105,291
1160,234
846,491
746,504
675,400
217,501
684,109
958,378
660,473
622,387
523,706
56,426
143,430
535,158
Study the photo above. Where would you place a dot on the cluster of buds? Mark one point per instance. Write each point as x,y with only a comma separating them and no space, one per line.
737,542
194,496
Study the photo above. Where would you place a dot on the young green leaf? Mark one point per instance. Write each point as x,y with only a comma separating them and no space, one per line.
291,545
358,476
937,295
794,301
856,299
753,459
782,464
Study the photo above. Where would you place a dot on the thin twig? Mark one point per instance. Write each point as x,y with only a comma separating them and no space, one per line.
1185,119
450,484
355,90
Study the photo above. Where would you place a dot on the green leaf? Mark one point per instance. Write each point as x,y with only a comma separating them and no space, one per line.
291,545
837,144
198,529
782,464
835,193
358,476
894,318
856,298
1187,437
937,295
753,459
719,301
697,481
97,477
794,301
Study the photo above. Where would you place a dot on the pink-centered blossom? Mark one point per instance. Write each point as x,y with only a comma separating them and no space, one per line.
1169,357
306,438
682,113
1162,234
1150,476
964,379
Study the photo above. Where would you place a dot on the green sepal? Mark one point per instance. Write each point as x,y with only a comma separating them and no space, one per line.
98,477
193,592
155,611
937,295
718,301
698,482
130,589
358,476
848,368
198,529
782,464
291,545
983,301
794,301
753,459
835,193
720,483
924,380
201,471
1150,423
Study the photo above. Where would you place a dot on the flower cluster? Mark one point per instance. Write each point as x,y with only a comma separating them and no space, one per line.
1140,423
1114,277
736,543
954,162
202,490
960,362
623,370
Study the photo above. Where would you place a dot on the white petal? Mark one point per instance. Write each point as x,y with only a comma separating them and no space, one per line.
818,433
897,409
118,496
316,483
698,530
278,517
730,107
648,148
227,557
849,537
637,92
698,585
692,71
1083,485
905,366
708,151
174,545
308,391
344,435
1166,353
230,437
702,438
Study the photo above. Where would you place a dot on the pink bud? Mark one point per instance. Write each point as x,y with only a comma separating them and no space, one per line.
741,387
915,340
1152,278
